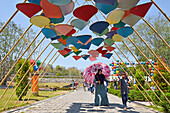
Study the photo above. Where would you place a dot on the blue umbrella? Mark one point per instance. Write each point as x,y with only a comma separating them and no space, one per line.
97,41
105,8
48,33
125,31
99,26
35,1
80,24
108,55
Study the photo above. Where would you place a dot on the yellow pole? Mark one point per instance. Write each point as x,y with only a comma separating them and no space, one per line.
16,43
161,10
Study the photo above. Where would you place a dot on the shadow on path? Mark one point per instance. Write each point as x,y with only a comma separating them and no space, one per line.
88,107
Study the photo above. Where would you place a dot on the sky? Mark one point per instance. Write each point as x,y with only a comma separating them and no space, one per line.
8,7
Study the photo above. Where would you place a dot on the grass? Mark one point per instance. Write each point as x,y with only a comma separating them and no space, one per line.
42,96
156,108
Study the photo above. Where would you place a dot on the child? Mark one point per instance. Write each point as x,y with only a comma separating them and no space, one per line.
125,86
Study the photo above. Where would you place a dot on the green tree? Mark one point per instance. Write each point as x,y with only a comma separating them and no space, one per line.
20,76
8,37
73,71
61,70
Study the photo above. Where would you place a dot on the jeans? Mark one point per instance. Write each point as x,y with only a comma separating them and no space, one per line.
124,100
92,89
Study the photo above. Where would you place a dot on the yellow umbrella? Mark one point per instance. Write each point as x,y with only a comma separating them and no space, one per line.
115,16
40,21
117,38
74,49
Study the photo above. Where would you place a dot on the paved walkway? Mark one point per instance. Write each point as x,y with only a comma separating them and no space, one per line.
79,102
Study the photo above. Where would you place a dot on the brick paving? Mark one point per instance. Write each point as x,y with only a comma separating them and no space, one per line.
80,102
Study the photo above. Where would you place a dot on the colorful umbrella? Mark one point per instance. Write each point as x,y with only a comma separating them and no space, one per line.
90,72
29,9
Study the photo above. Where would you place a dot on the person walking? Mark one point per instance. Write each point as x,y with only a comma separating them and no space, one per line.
125,86
115,83
101,98
76,84
88,86
73,85
84,85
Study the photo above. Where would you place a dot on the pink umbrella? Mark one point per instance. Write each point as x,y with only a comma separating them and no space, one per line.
90,72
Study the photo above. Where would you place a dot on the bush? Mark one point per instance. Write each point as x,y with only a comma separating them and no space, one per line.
58,74
133,95
139,78
165,105
63,88
159,80
153,96
147,87
111,85
20,76
115,92
136,95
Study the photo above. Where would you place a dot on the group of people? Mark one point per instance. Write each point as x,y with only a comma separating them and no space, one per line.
101,98
74,85
100,87
88,87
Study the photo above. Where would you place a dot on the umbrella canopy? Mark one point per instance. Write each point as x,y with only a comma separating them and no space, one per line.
90,72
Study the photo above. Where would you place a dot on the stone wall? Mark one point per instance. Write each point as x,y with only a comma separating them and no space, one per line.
59,80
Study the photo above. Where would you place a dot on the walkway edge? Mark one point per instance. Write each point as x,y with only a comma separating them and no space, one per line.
146,107
36,103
